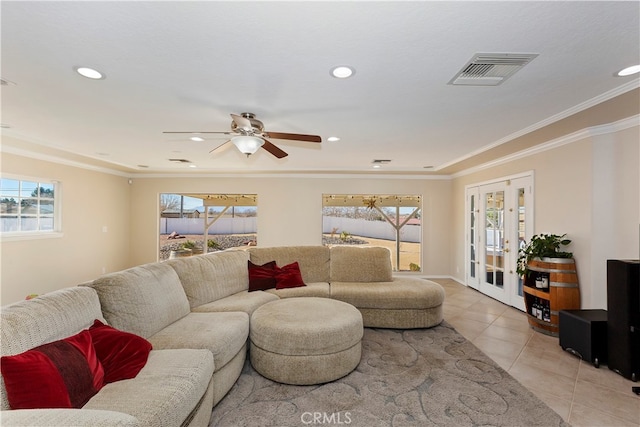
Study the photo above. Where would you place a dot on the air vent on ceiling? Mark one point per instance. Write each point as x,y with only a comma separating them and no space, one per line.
380,161
180,160
491,69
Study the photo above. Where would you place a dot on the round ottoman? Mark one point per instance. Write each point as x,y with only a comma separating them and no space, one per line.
305,341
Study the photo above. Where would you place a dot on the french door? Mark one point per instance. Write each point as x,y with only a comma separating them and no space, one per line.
499,220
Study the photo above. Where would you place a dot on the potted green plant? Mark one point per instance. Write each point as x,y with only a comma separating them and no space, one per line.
213,245
193,247
542,246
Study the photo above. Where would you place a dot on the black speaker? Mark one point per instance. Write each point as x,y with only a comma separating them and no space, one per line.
584,333
623,322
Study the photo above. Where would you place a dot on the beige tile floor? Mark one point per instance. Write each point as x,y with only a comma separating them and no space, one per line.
582,394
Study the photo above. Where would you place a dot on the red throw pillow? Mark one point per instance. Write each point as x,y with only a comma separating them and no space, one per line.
61,374
289,276
122,354
262,277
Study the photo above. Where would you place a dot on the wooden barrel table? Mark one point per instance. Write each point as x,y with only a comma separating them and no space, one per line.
563,292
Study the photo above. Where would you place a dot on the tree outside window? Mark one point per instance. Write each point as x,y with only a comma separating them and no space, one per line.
27,206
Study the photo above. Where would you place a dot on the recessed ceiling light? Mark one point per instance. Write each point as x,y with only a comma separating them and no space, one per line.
197,138
90,73
629,71
377,166
342,72
192,166
333,139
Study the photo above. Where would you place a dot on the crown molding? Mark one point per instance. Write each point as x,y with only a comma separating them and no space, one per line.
316,174
590,132
60,160
332,175
634,84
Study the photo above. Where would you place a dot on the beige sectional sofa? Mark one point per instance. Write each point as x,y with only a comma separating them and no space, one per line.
196,312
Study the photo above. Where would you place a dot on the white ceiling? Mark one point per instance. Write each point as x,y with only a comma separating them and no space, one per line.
188,65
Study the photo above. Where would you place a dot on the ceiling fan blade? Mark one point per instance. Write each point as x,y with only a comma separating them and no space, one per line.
221,147
198,132
294,136
273,149
242,122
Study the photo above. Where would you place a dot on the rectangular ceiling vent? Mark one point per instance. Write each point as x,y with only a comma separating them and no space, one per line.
491,69
380,161
180,160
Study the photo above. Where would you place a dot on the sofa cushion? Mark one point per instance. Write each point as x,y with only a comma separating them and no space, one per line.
360,264
244,301
67,417
142,300
262,277
401,293
319,289
224,334
209,277
121,354
49,317
166,390
313,260
60,374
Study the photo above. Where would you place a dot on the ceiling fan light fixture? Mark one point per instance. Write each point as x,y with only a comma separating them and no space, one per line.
247,144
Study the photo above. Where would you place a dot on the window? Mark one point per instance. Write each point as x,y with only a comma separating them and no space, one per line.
392,221
223,221
28,207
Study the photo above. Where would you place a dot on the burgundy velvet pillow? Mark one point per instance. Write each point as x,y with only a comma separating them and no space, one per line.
262,277
122,354
289,276
61,374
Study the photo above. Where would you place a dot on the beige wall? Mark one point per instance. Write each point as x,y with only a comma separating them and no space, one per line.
588,189
290,209
90,200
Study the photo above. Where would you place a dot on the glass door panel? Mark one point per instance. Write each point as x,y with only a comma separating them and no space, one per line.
522,229
494,244
472,254
499,218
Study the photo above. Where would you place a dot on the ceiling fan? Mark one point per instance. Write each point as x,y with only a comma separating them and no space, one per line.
249,135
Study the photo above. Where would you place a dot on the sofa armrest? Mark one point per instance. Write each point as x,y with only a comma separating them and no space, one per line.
66,417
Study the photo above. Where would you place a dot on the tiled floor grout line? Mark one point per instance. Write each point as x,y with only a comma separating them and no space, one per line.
573,394
567,405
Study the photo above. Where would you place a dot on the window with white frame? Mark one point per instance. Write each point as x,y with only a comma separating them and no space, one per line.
392,221
28,206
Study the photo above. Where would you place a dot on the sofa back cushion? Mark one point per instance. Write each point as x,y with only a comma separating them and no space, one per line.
142,300
208,278
47,318
360,264
313,260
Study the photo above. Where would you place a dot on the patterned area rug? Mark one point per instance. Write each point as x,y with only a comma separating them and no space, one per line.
420,377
